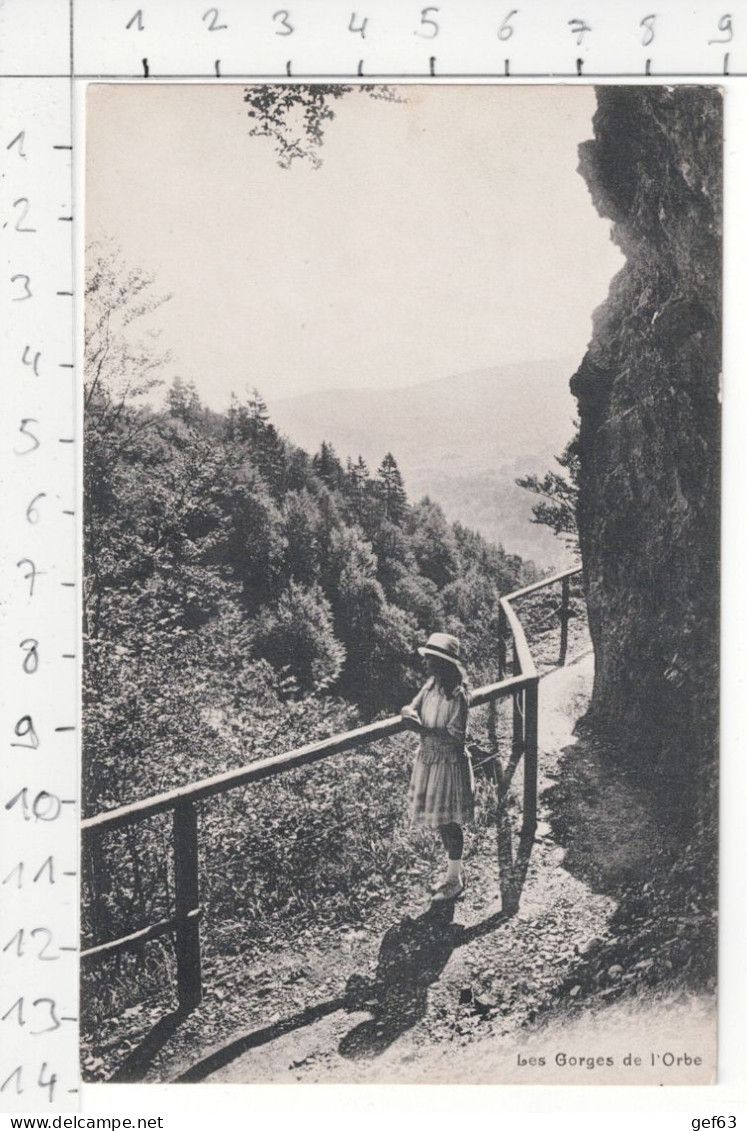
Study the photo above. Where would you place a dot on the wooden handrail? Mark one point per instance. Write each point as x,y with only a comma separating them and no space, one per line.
542,584
527,668
279,763
316,751
521,686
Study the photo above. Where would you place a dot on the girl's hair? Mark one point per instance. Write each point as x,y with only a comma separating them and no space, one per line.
447,674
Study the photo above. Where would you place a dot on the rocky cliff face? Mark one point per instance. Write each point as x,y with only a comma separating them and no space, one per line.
648,393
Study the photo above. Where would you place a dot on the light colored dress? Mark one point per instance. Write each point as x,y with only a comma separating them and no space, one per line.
442,786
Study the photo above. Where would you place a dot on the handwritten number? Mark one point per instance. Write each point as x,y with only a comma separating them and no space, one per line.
17,1005
47,942
505,31
24,728
213,15
361,28
51,1004
725,25
18,140
16,1075
426,21
34,362
26,287
32,575
18,940
15,871
647,23
32,511
31,659
23,204
25,432
46,806
579,28
50,1083
53,1018
137,19
48,867
286,27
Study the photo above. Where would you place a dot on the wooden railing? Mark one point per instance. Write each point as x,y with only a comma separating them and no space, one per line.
518,679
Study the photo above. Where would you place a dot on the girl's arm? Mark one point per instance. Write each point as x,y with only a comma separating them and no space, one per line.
412,718
457,721
411,712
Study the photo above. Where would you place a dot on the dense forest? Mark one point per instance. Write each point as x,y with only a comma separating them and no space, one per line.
222,561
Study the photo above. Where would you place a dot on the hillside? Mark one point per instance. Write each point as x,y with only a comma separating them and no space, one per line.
462,439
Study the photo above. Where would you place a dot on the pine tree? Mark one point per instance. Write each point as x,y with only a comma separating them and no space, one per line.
392,489
328,467
176,398
558,493
232,418
357,480
259,416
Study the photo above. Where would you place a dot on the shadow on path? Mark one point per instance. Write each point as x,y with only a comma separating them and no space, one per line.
134,1067
412,956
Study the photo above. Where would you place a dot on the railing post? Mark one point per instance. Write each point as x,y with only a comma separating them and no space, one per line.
517,744
564,615
502,627
99,877
187,899
531,713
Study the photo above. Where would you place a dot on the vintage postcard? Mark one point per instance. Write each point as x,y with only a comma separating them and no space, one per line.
401,491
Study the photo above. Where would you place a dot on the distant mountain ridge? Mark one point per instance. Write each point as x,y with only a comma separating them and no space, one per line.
463,440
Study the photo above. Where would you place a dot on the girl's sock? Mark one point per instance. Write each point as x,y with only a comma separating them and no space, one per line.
453,869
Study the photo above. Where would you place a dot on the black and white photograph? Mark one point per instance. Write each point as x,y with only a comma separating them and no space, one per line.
401,489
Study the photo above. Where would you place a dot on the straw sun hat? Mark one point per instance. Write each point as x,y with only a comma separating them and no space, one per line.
445,647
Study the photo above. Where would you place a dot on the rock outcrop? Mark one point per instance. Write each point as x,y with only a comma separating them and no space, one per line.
649,407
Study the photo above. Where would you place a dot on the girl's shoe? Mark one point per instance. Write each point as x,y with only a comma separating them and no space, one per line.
452,889
436,885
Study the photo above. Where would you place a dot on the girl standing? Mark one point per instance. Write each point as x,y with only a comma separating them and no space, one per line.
442,788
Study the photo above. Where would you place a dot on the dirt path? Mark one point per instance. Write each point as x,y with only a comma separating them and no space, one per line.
375,1006
462,993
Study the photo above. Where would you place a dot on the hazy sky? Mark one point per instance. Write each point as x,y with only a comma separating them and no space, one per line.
447,233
